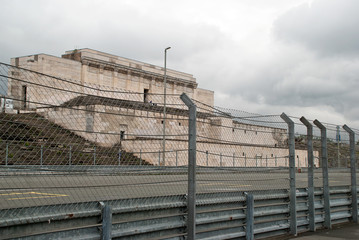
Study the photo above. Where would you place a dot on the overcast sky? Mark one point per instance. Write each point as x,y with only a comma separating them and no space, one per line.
263,56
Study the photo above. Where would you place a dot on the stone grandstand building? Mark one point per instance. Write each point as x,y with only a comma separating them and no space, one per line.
104,71
76,87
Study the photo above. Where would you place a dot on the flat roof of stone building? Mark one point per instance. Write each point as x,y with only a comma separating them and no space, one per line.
87,53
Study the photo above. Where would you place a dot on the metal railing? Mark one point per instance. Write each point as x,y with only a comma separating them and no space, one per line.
238,214
91,156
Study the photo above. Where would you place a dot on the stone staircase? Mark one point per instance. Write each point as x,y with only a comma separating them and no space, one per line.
30,139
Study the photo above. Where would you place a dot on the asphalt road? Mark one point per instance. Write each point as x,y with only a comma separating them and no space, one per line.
25,190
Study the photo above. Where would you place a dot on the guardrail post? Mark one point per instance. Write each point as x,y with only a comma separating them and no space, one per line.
192,148
293,190
323,133
106,219
311,208
353,174
250,217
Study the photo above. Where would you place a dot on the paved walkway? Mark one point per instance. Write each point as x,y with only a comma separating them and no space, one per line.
339,232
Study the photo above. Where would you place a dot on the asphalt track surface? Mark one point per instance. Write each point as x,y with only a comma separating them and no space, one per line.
18,190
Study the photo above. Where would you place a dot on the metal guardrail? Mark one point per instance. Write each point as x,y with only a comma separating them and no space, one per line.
55,139
218,216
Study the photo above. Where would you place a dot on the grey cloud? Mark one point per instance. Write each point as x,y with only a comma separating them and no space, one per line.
119,29
312,62
295,77
327,27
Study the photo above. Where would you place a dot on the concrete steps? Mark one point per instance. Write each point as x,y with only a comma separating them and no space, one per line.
30,139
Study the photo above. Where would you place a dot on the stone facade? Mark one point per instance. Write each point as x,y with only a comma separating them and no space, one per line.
114,101
101,71
220,140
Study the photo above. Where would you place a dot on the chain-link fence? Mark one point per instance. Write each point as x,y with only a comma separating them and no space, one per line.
245,149
63,142
67,142
337,147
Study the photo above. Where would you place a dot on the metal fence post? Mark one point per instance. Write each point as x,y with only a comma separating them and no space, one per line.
119,157
106,217
176,158
275,160
266,161
250,217
207,157
41,154
353,174
7,153
192,148
220,159
140,158
311,208
70,155
233,158
94,156
293,190
323,133
159,157
245,160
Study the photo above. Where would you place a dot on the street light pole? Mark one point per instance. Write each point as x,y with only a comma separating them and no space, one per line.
338,142
164,108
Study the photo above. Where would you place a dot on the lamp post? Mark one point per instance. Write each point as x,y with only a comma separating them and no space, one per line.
164,108
338,142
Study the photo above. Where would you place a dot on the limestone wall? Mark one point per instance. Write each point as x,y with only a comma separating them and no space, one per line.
36,90
92,72
142,132
88,54
204,96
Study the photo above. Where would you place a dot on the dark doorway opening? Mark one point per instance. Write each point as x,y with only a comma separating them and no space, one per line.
122,135
24,96
145,95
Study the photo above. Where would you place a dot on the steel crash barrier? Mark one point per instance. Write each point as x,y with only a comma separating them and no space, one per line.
248,215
